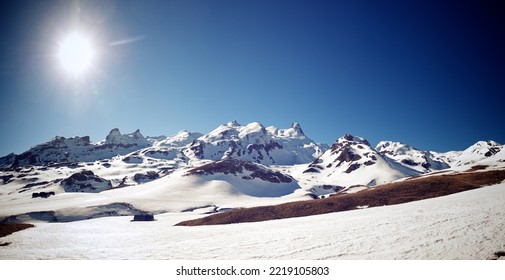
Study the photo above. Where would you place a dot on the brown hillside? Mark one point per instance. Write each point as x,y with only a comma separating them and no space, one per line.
388,194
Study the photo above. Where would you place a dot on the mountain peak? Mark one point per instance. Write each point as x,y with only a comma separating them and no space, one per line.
115,131
137,134
233,123
296,126
113,135
391,147
351,138
135,138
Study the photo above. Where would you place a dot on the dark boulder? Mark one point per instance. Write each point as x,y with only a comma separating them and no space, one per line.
144,217
42,194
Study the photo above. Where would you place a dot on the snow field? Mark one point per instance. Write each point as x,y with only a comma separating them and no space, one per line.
467,225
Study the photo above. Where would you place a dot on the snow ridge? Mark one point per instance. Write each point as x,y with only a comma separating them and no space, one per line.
253,142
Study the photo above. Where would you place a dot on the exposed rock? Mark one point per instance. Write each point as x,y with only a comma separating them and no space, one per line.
409,162
146,177
7,178
240,167
65,151
145,217
42,194
85,181
352,167
311,170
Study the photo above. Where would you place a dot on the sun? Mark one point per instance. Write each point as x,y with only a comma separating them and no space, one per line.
76,54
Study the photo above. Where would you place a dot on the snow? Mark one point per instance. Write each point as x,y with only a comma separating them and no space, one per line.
410,157
467,225
174,192
482,150
135,138
141,175
351,161
181,139
254,142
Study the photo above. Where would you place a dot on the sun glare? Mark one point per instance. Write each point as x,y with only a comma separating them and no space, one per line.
76,54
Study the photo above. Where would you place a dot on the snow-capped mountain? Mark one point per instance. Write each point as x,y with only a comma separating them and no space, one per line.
79,149
183,176
352,161
408,156
480,151
254,142
170,148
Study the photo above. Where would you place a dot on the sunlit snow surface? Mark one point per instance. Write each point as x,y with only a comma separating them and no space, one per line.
467,225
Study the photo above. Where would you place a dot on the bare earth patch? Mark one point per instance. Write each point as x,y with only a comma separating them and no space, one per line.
8,228
387,194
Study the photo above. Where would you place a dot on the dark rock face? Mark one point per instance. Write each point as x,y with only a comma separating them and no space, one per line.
347,155
198,147
238,167
352,167
31,185
42,194
7,160
426,165
492,151
77,149
311,170
145,217
325,189
85,181
145,177
6,178
410,162
369,162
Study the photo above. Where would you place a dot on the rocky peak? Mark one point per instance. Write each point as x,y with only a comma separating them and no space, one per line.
137,134
233,123
347,141
132,139
296,126
353,140
394,148
113,135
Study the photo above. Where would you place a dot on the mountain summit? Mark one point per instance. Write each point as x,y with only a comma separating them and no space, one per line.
352,161
253,142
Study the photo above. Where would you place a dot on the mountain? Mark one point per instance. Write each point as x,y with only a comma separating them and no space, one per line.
79,149
352,161
410,157
170,148
254,142
480,151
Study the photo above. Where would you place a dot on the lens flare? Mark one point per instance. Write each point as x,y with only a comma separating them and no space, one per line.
76,54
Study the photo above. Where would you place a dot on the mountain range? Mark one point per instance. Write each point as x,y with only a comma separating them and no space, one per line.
350,161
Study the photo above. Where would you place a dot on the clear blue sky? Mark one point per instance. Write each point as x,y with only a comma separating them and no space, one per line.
426,73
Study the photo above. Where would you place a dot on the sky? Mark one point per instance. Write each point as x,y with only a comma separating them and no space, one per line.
426,73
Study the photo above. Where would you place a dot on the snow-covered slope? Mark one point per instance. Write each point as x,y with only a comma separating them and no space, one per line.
247,177
410,157
467,225
188,174
254,142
